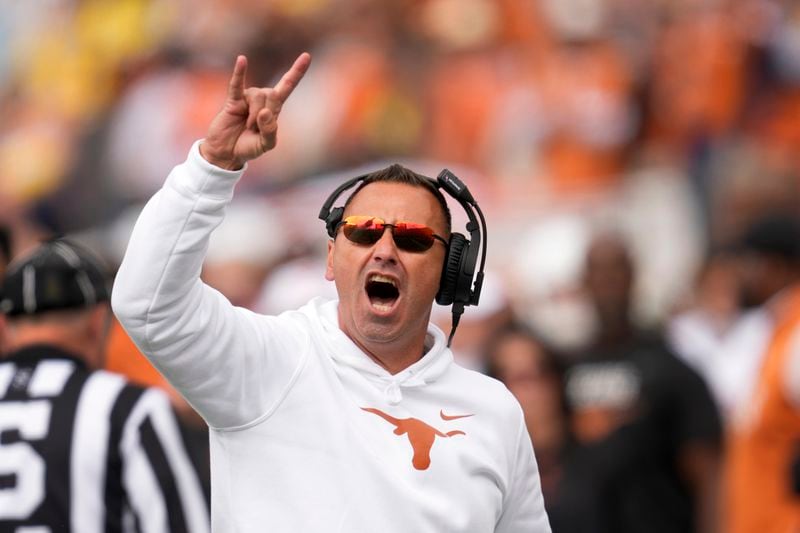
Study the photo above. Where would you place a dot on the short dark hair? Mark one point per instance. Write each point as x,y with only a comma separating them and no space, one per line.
397,173
774,234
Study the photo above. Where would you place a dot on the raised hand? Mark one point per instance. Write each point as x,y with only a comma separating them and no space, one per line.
247,124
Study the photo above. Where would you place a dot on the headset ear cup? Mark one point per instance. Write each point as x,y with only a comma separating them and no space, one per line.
451,270
333,220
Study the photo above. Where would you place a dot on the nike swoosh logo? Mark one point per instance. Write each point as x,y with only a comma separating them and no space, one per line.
453,417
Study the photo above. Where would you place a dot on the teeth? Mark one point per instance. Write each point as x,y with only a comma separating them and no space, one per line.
382,279
381,307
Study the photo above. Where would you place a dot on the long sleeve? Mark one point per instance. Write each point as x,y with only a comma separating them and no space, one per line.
231,364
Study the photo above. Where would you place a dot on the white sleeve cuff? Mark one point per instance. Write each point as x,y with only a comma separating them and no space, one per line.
207,179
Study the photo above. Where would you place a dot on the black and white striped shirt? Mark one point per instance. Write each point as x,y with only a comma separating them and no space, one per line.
87,452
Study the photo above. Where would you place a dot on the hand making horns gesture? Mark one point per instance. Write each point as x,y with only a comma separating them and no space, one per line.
247,125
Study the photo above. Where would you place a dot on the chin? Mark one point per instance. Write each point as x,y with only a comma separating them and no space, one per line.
379,331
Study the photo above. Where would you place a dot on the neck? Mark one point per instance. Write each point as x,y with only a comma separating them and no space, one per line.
393,357
21,335
73,346
615,330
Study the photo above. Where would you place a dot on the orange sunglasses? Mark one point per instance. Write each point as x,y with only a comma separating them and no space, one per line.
408,236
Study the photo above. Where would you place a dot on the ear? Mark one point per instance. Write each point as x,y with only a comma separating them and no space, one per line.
329,262
97,328
99,322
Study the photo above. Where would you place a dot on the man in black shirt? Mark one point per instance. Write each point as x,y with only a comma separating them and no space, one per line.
648,429
81,450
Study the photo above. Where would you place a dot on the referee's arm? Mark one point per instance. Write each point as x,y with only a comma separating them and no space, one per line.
162,488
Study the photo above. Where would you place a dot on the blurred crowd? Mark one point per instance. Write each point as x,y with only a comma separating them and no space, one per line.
638,164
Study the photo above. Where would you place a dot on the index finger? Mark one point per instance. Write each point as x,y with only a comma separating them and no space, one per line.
292,77
236,85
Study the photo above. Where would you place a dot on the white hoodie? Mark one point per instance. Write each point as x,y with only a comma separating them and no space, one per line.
308,434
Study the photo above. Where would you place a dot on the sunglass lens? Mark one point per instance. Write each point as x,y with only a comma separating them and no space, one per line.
413,237
363,230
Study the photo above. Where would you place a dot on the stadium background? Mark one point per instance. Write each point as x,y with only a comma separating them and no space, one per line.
675,122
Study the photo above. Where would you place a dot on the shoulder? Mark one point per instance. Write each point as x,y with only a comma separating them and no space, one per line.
656,360
310,316
123,398
103,386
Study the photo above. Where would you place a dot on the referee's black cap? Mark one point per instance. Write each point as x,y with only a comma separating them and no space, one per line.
57,275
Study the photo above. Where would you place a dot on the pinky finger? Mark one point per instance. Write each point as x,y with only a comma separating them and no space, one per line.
256,102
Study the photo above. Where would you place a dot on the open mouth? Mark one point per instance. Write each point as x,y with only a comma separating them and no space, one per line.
382,292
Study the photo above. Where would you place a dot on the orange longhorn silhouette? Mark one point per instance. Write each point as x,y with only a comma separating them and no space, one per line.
420,435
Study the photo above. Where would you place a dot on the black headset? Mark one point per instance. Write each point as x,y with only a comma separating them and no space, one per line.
458,270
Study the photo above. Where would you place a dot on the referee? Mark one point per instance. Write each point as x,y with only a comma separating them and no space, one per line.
81,450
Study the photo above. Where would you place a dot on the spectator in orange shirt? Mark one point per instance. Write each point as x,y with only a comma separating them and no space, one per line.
763,489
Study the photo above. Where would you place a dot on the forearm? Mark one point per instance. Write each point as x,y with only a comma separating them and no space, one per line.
195,337
159,275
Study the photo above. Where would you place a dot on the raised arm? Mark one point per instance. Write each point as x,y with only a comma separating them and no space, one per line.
221,358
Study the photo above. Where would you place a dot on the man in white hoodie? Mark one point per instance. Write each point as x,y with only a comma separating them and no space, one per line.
343,416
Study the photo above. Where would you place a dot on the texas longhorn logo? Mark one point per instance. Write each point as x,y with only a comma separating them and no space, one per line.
420,435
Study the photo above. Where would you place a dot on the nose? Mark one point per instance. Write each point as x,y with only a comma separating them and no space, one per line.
385,249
